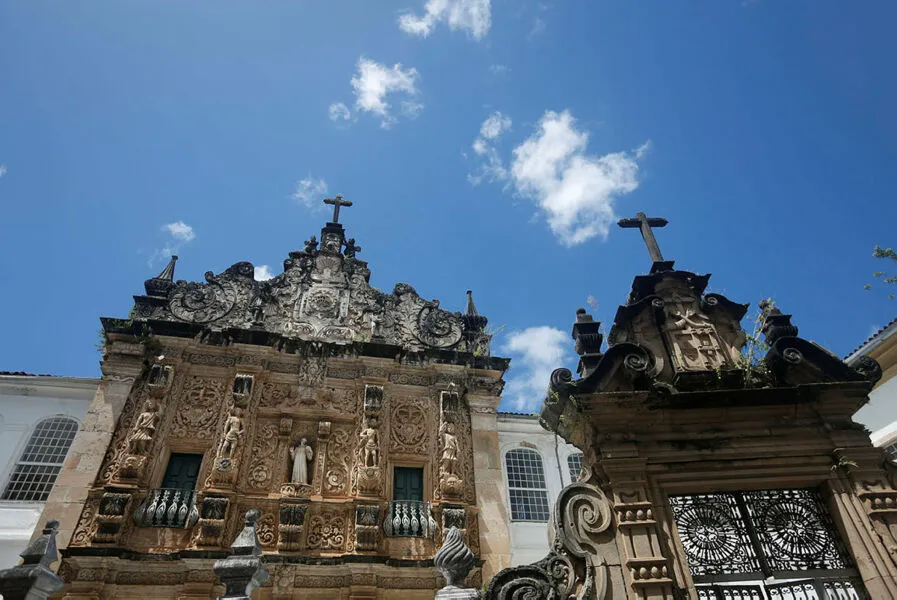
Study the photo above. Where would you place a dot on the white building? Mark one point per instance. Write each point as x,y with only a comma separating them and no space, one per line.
39,415
536,465
880,414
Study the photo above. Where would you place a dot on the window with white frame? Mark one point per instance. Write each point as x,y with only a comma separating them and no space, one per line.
526,485
40,463
574,464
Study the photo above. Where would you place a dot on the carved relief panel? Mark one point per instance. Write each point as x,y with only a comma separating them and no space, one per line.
199,408
264,461
412,423
327,529
339,460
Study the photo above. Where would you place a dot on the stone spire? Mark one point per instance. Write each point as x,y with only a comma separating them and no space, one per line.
243,570
473,321
33,579
162,284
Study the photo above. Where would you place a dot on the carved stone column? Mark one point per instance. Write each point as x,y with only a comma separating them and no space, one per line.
123,365
865,503
646,569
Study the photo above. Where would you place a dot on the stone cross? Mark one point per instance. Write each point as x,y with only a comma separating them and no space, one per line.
336,203
645,224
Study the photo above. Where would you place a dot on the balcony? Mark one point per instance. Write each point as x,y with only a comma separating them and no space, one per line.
408,518
173,508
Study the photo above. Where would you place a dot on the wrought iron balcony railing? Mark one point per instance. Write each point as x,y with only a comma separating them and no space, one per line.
408,518
173,508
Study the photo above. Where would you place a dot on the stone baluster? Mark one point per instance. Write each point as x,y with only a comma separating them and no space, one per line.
33,579
243,570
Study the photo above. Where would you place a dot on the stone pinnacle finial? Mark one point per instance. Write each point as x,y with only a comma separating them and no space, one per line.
33,579
473,321
471,308
243,570
162,284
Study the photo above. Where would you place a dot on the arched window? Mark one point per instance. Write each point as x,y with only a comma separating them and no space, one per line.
574,464
526,485
36,471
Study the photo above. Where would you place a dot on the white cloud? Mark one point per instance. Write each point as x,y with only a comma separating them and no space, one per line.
494,125
2,170
492,167
309,191
575,190
374,82
497,69
535,352
472,16
180,231
263,272
339,112
177,233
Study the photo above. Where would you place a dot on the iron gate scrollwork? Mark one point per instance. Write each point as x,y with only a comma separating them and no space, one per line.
748,545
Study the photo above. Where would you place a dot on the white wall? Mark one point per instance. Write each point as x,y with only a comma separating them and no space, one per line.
882,407
529,540
24,402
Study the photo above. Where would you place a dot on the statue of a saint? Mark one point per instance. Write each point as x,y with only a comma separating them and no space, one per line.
144,429
449,459
370,444
233,430
301,455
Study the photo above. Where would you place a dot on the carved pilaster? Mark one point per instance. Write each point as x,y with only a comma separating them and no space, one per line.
317,479
646,569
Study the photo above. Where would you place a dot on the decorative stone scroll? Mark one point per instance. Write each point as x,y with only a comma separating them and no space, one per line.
581,522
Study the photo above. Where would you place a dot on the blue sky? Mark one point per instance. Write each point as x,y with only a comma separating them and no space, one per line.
486,145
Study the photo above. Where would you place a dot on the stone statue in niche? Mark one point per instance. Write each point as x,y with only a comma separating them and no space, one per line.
301,455
233,431
370,443
144,429
139,440
449,460
450,483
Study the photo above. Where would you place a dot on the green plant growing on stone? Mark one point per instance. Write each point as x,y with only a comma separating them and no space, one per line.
752,359
883,276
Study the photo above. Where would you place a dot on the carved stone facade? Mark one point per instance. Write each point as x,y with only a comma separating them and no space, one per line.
313,366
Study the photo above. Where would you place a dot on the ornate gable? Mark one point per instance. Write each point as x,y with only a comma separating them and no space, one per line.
323,295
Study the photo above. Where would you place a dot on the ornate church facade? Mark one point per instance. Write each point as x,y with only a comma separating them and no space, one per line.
350,418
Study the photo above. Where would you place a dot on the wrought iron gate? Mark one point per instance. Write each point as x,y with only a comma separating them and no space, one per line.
739,543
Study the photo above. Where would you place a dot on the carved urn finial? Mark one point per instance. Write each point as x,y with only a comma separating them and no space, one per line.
163,282
454,559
